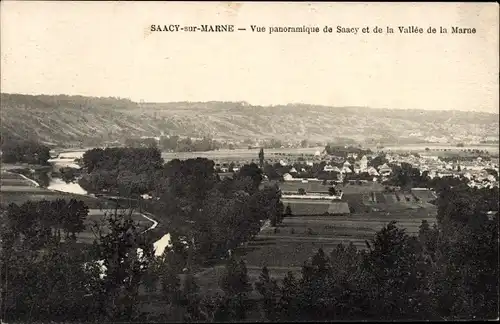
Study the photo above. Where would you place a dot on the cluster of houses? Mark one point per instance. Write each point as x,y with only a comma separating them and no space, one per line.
475,171
359,166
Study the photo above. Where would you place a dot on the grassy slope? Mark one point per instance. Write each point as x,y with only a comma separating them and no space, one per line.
73,119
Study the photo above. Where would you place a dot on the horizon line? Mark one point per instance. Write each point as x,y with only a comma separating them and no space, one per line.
142,101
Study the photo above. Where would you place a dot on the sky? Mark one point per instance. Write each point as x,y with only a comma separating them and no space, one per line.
107,49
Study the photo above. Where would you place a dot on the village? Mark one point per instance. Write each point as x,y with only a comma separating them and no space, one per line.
478,171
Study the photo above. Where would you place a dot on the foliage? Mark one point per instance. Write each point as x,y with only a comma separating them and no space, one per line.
377,161
236,286
68,174
177,144
23,151
449,271
39,223
344,151
124,171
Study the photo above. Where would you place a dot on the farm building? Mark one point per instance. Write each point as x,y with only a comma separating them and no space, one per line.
385,170
225,175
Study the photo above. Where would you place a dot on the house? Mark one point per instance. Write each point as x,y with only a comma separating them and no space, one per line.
328,168
292,170
287,177
336,169
346,169
363,163
385,170
372,171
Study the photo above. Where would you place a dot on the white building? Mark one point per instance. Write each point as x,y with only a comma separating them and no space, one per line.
385,170
372,171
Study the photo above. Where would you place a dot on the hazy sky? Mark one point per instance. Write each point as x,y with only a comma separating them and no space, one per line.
105,49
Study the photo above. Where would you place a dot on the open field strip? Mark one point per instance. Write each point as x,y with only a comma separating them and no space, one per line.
26,189
23,188
367,223
14,182
30,180
312,238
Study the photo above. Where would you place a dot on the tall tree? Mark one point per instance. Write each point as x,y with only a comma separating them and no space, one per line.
236,286
268,288
261,158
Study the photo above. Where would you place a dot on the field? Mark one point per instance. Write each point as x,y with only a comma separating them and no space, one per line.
239,153
18,190
299,237
433,148
319,187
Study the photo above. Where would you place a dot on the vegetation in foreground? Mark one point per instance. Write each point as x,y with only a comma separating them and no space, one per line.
446,272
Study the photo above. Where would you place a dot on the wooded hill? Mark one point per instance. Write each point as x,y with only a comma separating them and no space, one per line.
88,120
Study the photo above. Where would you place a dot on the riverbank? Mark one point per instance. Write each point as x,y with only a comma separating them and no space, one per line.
55,185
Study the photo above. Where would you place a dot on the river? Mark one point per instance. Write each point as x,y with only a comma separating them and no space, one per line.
67,159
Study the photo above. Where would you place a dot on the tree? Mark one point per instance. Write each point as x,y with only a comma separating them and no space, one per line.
261,158
289,302
268,288
391,265
25,151
73,222
191,300
125,266
301,191
378,161
235,284
252,171
68,174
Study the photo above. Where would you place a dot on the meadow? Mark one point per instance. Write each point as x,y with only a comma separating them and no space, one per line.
14,189
288,246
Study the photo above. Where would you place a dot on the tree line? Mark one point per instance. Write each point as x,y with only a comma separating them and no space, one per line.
447,271
208,216
25,151
175,143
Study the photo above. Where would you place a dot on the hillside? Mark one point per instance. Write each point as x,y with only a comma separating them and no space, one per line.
88,120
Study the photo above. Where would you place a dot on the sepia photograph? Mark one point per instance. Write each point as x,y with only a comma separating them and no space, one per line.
248,161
